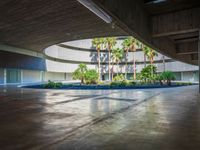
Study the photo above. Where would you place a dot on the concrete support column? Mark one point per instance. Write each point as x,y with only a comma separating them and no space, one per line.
199,58
41,76
22,78
5,77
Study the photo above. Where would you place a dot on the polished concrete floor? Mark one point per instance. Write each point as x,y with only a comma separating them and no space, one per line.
151,119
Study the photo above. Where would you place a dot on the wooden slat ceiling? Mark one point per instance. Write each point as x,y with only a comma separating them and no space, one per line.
170,6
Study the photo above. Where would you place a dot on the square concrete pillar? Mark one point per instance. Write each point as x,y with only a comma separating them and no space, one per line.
199,58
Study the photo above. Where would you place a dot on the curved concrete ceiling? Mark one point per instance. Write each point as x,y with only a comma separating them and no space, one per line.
170,26
37,24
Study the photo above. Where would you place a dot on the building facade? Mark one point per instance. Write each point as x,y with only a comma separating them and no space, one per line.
58,62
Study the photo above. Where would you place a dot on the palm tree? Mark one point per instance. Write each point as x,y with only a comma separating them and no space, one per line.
126,47
150,53
110,42
98,43
117,55
130,45
142,48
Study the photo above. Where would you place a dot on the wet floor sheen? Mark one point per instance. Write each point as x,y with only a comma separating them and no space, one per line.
158,119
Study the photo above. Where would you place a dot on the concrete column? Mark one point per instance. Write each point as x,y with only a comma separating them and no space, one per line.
5,77
22,78
199,58
41,76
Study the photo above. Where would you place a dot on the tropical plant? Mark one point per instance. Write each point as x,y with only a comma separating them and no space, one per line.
98,44
126,47
53,85
150,53
110,42
119,78
117,55
168,76
79,73
145,74
130,44
142,47
91,76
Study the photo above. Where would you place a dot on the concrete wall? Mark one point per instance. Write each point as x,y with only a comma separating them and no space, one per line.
21,61
1,76
189,76
29,76
54,76
91,55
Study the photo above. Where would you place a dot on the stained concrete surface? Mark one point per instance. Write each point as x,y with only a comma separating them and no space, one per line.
150,119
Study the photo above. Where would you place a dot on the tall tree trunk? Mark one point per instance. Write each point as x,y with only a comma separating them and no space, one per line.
99,72
145,60
151,62
126,69
117,68
134,67
109,65
112,71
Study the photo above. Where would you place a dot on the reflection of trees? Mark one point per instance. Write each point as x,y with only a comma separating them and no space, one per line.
93,56
104,62
103,58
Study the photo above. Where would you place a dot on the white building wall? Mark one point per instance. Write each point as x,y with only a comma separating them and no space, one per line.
53,76
30,76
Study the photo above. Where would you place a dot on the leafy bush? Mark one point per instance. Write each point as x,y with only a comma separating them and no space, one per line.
119,78
79,73
91,76
167,76
124,83
148,73
115,84
53,85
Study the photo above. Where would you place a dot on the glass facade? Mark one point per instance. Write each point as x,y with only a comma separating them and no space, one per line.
13,76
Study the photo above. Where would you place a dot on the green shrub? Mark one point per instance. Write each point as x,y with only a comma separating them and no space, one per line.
115,83
124,83
53,85
167,76
147,74
91,76
79,73
119,78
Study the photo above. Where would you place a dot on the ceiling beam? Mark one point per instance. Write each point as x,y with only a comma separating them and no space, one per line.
179,22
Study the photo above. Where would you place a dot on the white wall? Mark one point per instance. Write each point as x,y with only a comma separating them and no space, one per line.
31,76
54,76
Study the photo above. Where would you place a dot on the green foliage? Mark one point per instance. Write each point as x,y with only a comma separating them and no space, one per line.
148,74
119,78
91,76
79,73
88,76
167,76
110,42
117,55
123,83
53,85
150,53
98,43
129,44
